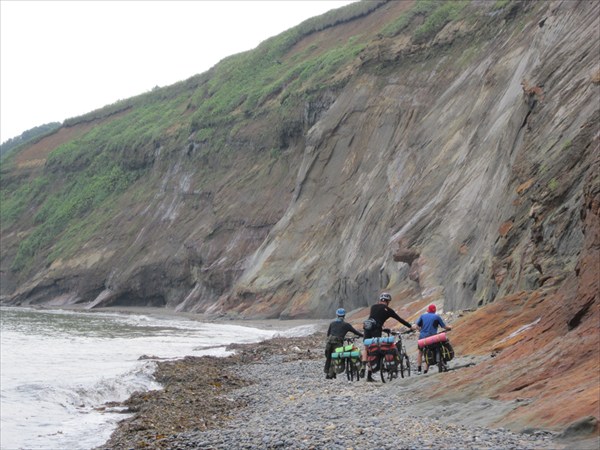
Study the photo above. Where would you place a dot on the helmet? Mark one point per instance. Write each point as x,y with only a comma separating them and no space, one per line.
341,312
385,297
431,308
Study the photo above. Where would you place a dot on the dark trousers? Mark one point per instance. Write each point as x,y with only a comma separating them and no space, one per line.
329,349
375,332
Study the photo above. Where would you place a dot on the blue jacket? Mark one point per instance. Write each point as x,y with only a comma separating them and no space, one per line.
429,323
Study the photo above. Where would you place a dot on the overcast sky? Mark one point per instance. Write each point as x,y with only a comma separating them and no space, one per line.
60,59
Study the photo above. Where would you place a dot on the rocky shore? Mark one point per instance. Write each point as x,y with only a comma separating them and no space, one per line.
274,395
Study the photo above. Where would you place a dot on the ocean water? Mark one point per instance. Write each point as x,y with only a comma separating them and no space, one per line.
59,368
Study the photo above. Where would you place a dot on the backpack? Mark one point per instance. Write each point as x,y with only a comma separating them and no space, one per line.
369,324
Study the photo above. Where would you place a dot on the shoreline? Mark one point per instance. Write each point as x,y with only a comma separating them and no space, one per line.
195,393
273,394
264,324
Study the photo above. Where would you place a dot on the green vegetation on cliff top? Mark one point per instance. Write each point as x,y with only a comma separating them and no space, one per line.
274,80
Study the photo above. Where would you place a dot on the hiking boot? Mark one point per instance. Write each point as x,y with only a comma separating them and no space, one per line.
362,372
370,378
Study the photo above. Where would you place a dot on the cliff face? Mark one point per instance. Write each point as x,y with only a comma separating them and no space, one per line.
451,169
450,160
452,172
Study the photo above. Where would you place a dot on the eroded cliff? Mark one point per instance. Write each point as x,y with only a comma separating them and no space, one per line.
450,168
445,152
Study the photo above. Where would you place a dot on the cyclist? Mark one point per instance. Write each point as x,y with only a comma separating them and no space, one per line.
335,337
380,312
428,323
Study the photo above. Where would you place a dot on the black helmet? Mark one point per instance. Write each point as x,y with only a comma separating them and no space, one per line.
385,297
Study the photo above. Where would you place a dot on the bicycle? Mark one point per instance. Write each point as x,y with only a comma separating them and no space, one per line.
347,359
437,350
404,359
386,355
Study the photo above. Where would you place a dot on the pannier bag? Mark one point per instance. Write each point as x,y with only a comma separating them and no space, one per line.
337,365
447,351
390,352
379,340
441,337
373,354
429,355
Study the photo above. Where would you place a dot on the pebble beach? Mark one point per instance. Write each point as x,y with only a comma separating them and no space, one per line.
274,395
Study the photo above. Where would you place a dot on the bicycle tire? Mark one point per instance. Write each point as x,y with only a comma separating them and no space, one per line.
393,372
439,360
357,366
348,369
382,369
404,365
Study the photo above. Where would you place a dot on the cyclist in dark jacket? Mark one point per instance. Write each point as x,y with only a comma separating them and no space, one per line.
380,312
335,337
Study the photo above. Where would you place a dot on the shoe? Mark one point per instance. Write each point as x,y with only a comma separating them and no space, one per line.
328,377
334,376
370,378
362,373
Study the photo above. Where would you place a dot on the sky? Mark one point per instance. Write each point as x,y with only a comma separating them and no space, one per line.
61,59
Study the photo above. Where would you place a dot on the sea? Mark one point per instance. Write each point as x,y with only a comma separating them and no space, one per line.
59,368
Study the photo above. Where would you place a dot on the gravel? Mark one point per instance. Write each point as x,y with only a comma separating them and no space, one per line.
274,395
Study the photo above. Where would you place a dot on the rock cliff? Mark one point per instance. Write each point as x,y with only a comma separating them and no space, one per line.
450,168
446,152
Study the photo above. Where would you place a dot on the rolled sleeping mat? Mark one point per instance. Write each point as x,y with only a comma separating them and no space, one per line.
346,348
339,355
441,337
379,340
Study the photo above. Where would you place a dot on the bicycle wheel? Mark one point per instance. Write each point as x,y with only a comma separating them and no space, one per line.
392,371
382,368
439,360
404,365
356,366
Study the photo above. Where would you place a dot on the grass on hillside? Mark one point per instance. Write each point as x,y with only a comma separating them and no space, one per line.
266,84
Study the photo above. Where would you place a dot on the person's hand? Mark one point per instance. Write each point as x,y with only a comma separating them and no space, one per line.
414,327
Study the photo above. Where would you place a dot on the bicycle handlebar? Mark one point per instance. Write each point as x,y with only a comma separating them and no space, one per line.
396,333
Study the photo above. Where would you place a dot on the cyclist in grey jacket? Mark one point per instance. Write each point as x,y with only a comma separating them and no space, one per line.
335,337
